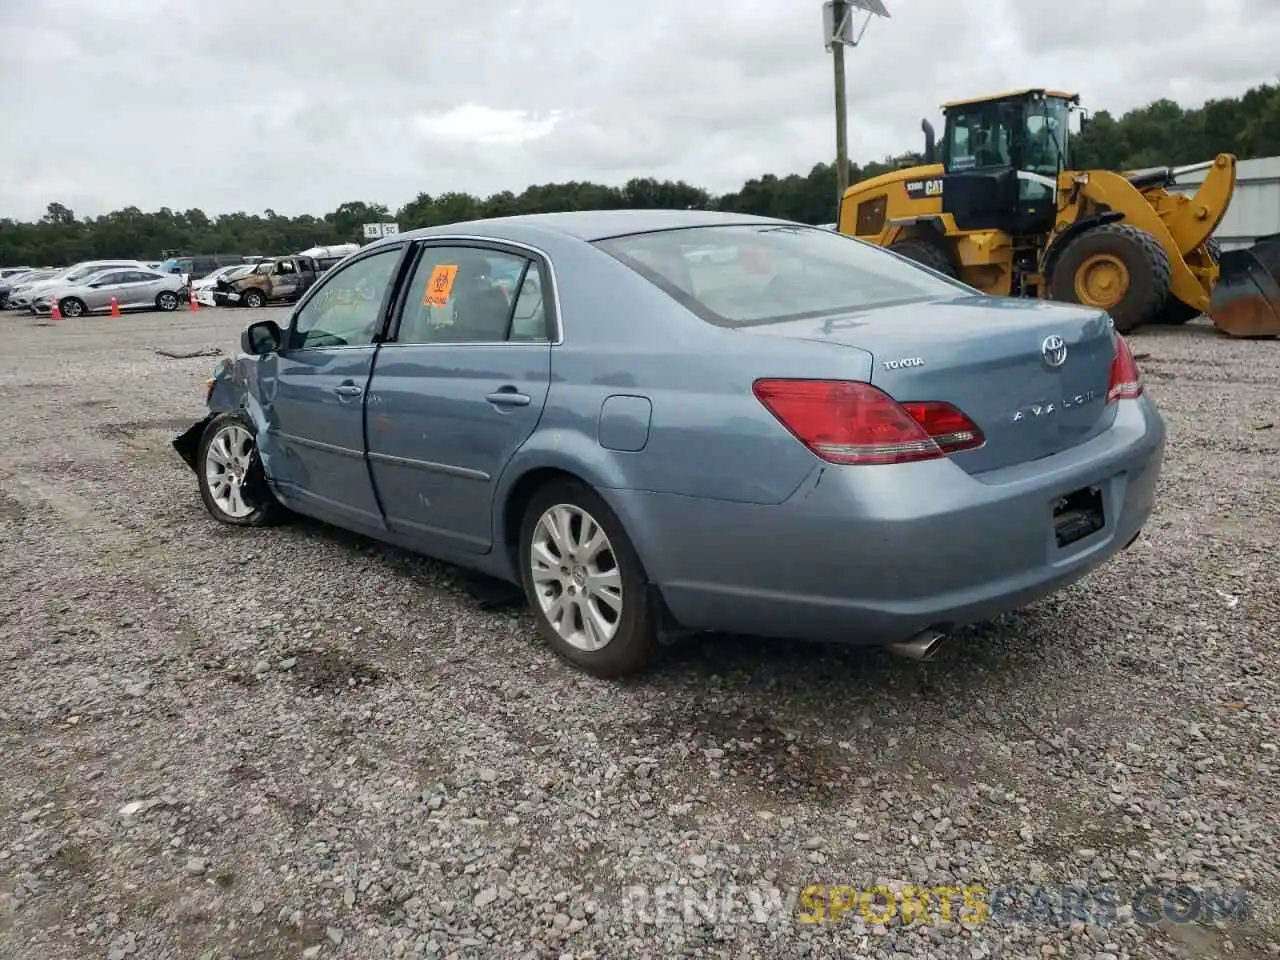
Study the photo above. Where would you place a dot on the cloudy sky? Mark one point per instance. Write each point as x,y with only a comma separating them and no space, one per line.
298,106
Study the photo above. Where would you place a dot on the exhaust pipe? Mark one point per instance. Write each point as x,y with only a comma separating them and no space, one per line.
922,646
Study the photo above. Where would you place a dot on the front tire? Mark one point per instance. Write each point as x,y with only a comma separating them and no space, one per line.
1175,312
1116,267
167,301
232,483
71,307
585,583
253,299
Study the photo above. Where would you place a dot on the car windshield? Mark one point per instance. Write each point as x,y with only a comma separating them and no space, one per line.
741,275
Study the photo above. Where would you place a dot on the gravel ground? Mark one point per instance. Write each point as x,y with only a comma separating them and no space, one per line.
294,743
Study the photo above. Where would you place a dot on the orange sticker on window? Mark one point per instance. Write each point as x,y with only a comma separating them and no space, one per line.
440,285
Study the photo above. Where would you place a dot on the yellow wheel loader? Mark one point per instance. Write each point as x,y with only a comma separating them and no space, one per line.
998,206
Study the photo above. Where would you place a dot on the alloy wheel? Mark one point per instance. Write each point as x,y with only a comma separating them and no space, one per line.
226,466
576,578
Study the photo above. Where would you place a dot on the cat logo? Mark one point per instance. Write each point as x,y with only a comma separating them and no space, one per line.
924,188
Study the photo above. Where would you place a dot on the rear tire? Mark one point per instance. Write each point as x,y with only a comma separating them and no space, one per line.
926,253
229,470
1115,267
591,601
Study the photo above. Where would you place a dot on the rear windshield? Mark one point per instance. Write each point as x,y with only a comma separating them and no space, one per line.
747,274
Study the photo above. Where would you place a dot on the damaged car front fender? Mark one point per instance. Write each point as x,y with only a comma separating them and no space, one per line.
228,388
188,442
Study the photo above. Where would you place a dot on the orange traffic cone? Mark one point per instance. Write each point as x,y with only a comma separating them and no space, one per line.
54,312
195,307
115,307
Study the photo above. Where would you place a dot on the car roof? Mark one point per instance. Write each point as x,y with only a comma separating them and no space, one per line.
586,225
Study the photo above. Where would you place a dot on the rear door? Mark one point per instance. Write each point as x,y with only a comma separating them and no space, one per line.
307,276
154,284
313,394
136,290
458,390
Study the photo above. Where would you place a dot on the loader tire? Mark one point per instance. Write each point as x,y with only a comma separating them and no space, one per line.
1117,267
926,253
1175,312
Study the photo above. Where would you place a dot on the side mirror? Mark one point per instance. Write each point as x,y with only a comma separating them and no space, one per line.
1084,122
262,338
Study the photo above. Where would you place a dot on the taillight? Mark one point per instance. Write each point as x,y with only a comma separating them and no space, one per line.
1126,381
849,422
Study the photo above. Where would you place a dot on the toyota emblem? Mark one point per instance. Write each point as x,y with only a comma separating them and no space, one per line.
1054,350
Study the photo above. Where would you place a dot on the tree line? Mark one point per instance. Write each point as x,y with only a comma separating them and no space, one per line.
1160,133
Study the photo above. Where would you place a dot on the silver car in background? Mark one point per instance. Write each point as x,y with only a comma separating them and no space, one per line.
134,289
25,294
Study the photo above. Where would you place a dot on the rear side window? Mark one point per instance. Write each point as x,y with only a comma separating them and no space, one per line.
742,275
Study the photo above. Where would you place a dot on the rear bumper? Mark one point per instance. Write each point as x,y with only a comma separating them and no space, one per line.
873,555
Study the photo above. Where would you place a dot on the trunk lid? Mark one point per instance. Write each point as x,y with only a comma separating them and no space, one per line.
986,356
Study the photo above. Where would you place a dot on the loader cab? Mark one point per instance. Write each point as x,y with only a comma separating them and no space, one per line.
1002,157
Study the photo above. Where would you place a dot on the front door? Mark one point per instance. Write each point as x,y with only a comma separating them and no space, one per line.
458,390
313,395
98,294
286,281
137,290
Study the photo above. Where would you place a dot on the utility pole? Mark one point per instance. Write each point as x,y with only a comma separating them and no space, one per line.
837,24
842,110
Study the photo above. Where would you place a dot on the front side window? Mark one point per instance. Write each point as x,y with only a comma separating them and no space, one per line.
470,295
979,137
347,310
741,275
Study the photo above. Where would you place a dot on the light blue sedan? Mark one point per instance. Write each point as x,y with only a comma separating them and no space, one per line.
681,420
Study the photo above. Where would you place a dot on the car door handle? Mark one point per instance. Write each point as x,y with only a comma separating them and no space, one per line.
348,390
508,398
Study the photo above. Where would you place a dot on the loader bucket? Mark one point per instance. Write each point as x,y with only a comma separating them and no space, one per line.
1246,298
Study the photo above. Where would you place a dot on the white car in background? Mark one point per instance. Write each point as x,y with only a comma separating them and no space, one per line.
203,288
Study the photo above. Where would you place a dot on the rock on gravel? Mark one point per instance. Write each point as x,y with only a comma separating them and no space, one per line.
293,742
